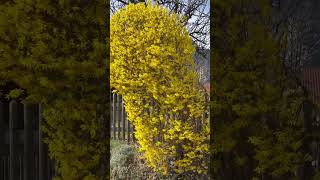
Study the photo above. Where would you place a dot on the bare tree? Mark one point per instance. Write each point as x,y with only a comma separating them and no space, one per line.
293,25
196,13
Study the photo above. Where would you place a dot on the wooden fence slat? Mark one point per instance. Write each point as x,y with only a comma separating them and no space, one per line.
1,116
121,127
35,168
123,121
119,116
29,117
23,153
2,129
126,117
7,168
114,115
133,136
20,166
1,168
13,119
111,116
41,159
4,167
48,169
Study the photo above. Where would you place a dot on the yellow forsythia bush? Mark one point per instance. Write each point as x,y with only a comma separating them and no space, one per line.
152,66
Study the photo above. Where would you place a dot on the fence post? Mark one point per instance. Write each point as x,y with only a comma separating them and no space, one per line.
49,176
114,108
2,141
129,130
5,169
133,136
2,130
21,166
13,119
123,114
29,116
118,116
111,115
1,119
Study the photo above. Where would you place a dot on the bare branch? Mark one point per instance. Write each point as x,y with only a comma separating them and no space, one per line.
195,12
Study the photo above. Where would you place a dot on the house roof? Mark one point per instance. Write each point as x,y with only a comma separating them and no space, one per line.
311,81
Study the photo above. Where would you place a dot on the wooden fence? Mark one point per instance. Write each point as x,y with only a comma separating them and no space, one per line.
23,154
121,128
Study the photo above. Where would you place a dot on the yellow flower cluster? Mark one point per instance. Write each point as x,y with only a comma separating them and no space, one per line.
152,66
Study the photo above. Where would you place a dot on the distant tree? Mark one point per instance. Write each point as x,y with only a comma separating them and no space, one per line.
56,52
152,66
294,24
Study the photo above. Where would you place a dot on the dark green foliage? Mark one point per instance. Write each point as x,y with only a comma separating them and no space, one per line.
256,128
56,51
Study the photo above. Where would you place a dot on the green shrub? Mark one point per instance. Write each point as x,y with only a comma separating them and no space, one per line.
122,155
125,163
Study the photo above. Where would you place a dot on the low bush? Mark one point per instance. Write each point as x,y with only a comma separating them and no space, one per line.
126,163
